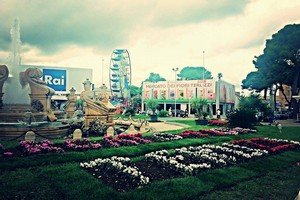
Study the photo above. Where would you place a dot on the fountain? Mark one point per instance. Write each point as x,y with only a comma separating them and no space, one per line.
25,94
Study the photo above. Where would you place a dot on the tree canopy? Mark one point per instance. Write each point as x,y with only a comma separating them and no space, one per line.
153,77
134,91
194,73
279,64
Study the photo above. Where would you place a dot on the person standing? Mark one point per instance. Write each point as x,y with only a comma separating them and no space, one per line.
218,114
279,127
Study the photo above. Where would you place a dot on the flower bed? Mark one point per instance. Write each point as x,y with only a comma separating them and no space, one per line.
163,137
227,131
192,160
79,145
271,145
135,137
212,132
116,168
45,146
5,153
216,122
123,175
124,140
192,134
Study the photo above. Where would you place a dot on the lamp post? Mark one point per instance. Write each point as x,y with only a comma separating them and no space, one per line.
220,75
203,92
175,95
102,69
142,106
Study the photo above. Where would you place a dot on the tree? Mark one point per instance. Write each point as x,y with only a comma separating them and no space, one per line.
137,101
255,81
153,77
194,73
256,104
279,64
198,104
134,91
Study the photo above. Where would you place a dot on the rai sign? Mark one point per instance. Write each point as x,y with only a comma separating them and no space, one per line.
55,79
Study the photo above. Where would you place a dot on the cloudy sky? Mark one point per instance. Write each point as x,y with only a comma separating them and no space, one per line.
158,34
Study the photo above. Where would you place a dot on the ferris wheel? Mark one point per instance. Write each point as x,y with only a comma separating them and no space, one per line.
120,75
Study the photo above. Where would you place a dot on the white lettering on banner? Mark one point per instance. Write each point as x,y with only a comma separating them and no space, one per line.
54,81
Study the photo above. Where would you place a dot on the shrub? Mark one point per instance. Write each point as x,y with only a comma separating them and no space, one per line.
129,111
198,104
163,113
244,118
152,105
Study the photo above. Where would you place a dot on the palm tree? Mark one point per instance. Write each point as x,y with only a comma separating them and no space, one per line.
198,104
152,105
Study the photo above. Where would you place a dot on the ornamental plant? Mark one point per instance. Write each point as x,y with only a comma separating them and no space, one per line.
119,167
163,137
198,104
272,146
244,118
45,146
192,160
80,145
5,153
124,140
152,105
192,134
216,122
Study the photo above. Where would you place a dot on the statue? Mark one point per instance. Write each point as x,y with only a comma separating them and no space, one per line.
87,93
102,96
77,119
3,77
70,106
94,106
39,90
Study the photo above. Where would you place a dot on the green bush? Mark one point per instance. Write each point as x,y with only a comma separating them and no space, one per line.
163,113
152,105
129,111
244,118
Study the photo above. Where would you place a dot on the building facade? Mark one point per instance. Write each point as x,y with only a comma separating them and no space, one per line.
178,94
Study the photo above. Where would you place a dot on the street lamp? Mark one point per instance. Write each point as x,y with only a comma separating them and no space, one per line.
102,69
175,95
220,75
203,91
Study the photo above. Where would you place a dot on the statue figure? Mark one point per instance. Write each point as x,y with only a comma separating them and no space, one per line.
87,93
94,107
3,77
39,90
70,106
77,119
102,96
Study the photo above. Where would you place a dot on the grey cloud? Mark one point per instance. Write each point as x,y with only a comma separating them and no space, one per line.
105,25
211,10
50,25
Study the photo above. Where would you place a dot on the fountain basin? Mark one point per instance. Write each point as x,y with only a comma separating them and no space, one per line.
43,130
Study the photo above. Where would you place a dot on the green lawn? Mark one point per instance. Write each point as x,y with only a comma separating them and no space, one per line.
59,176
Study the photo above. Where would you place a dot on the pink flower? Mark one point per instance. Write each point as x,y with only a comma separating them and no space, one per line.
8,153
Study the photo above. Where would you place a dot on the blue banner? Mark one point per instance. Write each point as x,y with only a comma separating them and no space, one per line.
55,78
